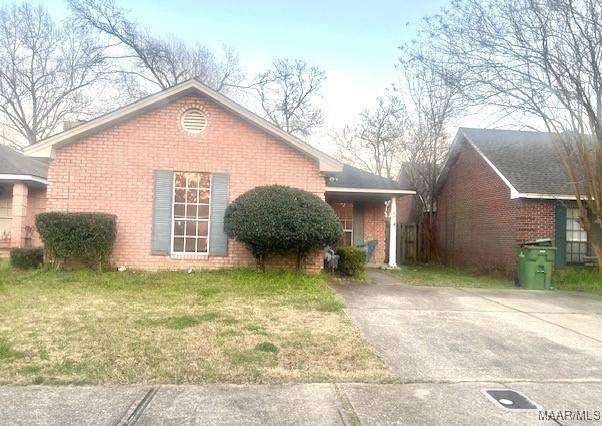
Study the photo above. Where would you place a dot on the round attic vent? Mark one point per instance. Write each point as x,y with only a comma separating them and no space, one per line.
194,121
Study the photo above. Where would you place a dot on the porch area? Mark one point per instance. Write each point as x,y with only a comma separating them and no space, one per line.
19,204
365,203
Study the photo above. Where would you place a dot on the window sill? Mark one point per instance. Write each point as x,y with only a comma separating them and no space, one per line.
188,256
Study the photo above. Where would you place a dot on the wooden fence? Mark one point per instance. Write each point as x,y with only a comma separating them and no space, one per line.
412,247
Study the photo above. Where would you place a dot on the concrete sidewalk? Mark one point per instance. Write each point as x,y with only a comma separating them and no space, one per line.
307,404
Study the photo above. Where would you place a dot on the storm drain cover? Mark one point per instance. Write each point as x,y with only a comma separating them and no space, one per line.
509,399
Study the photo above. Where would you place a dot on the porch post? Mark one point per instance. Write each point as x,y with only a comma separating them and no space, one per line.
17,232
393,233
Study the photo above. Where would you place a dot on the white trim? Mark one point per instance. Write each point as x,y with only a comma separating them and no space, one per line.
393,234
32,178
547,196
45,148
513,192
369,190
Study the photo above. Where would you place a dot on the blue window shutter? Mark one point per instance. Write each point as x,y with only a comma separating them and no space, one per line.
162,205
560,233
218,240
358,224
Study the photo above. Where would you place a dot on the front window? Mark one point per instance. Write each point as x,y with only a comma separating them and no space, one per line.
344,212
576,238
191,212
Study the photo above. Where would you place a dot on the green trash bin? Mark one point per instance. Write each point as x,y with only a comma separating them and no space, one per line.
535,264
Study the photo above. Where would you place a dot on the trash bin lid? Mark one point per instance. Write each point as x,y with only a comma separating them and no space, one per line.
542,242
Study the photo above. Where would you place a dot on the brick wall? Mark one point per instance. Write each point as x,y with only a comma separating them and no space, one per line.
406,209
375,228
478,225
112,171
36,203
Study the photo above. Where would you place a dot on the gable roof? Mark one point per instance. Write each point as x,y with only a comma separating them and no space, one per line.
16,166
528,162
189,87
352,179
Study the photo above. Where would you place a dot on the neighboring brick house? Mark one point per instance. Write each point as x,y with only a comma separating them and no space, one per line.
22,196
500,188
168,165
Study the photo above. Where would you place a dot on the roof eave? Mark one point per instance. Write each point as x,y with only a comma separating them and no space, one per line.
356,190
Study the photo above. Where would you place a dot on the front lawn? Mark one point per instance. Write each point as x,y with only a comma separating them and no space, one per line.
445,276
173,327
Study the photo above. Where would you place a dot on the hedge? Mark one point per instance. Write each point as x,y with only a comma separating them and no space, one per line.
27,258
280,219
84,238
352,262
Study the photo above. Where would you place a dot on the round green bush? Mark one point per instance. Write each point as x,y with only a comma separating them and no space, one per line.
279,219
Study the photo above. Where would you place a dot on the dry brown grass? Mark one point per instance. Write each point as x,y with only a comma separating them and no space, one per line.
239,326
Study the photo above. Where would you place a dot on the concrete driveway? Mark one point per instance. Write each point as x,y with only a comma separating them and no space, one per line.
447,345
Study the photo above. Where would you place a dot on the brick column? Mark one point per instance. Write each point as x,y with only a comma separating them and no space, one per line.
17,233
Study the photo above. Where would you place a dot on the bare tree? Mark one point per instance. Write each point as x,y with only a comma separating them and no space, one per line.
377,141
434,101
150,62
46,70
287,94
542,59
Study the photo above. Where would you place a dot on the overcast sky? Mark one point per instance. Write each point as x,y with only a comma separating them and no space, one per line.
355,42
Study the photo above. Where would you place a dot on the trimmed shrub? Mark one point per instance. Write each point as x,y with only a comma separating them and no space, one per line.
279,219
27,258
84,238
352,262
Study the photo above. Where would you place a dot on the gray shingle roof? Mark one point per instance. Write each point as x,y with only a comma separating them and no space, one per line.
528,160
352,177
13,162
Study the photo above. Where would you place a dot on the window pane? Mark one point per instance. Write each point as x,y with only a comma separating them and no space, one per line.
190,245
203,229
190,228
346,238
203,196
203,212
180,180
204,180
179,210
178,228
201,245
191,211
178,244
191,195
193,180
180,194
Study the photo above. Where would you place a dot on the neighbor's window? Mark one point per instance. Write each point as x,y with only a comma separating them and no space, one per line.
191,212
576,238
344,211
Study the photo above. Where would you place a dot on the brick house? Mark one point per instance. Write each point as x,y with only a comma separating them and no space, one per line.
22,196
499,188
168,165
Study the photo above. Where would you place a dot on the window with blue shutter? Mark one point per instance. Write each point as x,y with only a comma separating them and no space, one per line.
162,205
218,240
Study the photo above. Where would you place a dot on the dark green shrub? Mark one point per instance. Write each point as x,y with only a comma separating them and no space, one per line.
280,219
27,258
352,262
82,238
